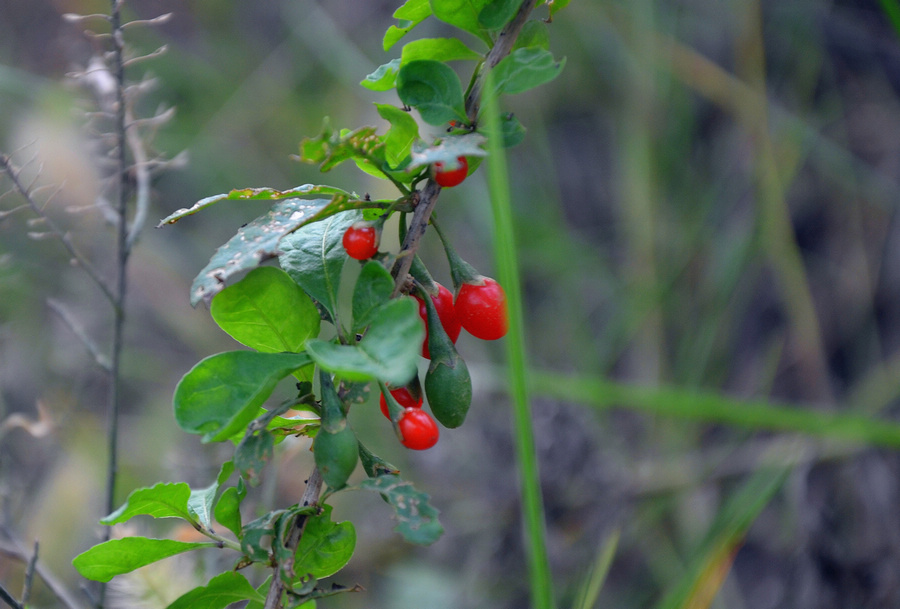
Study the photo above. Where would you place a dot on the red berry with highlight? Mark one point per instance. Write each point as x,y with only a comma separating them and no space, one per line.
443,304
417,429
403,397
481,309
361,241
451,177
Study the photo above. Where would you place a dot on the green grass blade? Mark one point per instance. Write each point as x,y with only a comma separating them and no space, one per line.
713,407
508,276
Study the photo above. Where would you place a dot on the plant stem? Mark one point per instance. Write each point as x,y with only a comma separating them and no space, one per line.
310,497
122,253
508,274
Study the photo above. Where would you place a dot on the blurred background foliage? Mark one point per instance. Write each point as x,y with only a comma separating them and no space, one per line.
706,199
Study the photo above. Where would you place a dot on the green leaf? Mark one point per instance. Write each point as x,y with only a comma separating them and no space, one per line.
335,448
389,351
220,395
373,289
325,546
556,6
314,257
117,556
253,243
411,14
433,88
524,69
498,13
462,14
330,148
384,78
535,33
418,519
267,311
163,500
255,194
228,509
221,591
512,131
200,503
439,49
399,139
253,453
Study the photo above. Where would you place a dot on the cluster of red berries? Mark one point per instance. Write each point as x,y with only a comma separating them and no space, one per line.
479,308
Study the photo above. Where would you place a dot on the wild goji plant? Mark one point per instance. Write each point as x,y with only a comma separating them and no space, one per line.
375,339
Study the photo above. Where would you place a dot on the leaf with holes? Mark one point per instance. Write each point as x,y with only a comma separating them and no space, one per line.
417,519
255,194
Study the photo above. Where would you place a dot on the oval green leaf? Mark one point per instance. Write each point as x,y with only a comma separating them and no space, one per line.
439,49
221,591
117,556
389,351
373,289
220,395
433,88
164,500
267,311
524,69
325,546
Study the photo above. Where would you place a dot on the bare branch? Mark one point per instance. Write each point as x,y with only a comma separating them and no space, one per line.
78,330
164,18
161,50
14,550
76,18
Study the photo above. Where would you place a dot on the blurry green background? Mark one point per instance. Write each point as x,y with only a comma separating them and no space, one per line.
706,198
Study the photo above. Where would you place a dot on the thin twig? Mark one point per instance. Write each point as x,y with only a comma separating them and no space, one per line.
14,550
8,598
99,357
29,574
122,252
6,165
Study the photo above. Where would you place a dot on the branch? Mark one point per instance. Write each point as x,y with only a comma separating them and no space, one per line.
25,191
13,550
310,497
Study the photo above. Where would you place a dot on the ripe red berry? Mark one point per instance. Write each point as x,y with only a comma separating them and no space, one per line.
403,397
443,304
417,429
481,309
451,177
361,241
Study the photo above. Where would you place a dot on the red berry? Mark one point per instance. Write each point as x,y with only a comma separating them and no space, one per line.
451,177
403,397
361,241
481,309
417,429
443,304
